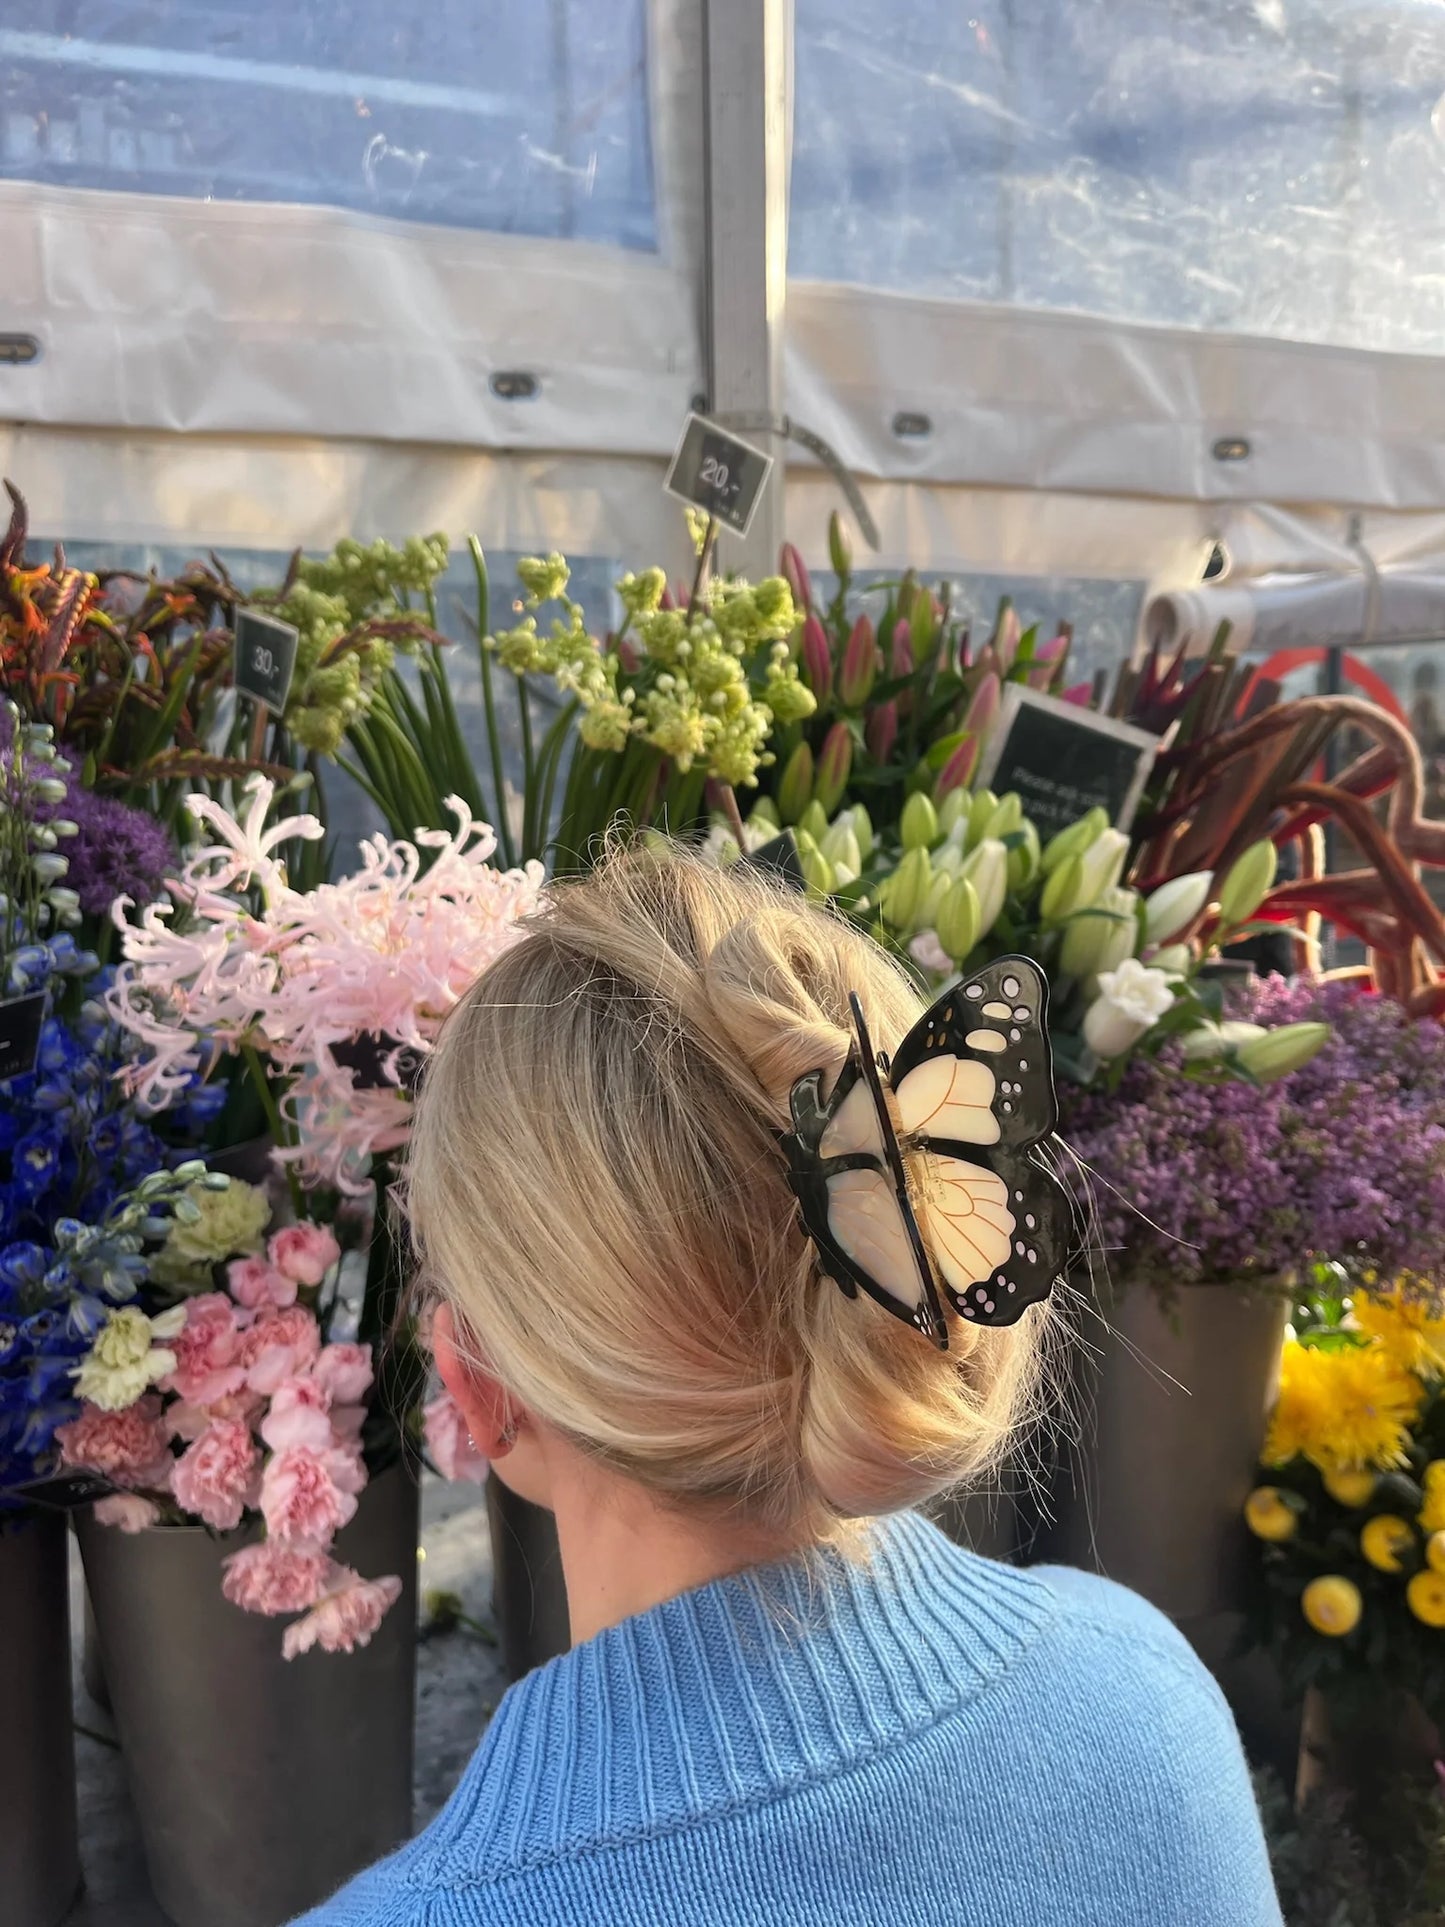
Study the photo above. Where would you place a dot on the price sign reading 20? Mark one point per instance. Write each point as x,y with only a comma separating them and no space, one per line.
718,473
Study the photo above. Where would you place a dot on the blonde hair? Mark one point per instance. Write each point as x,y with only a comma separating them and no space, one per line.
596,1188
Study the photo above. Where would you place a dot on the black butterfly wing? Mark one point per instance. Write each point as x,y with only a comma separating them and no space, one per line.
973,1088
853,1202
997,1020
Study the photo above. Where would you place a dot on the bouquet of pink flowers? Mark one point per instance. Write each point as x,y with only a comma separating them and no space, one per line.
236,1406
236,961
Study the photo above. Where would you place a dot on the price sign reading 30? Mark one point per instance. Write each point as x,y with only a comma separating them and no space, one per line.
718,473
265,658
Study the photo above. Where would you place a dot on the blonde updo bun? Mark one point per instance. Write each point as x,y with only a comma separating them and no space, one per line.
597,1189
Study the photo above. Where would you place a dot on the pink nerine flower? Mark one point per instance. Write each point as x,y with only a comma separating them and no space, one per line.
306,1496
345,1371
127,1510
254,1283
304,1252
448,1442
272,1579
208,1351
129,1448
216,1477
345,1617
300,1414
280,1345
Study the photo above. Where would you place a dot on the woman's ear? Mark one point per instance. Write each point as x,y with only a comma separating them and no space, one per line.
479,1397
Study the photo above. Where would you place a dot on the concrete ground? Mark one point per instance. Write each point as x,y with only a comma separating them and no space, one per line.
459,1681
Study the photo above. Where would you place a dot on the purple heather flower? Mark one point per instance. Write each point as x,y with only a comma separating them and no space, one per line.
1343,1159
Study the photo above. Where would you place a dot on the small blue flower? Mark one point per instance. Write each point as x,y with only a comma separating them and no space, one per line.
22,1274
35,1163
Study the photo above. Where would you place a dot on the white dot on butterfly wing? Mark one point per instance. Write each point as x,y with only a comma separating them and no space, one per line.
989,1305
1023,1014
973,990
1007,1105
1014,1036
1030,1220
1019,1247
1018,1197
1033,1257
1023,1063
1010,986
1011,1285
968,1311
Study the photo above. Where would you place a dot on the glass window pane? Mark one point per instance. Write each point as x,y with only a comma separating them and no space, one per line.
1272,167
523,116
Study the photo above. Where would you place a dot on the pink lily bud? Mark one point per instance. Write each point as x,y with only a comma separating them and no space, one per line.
901,653
880,732
965,656
835,761
983,709
1081,693
794,572
1006,633
817,659
665,601
1047,658
957,772
860,665
629,655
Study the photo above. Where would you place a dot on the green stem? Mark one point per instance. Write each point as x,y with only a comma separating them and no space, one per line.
494,740
529,770
260,1083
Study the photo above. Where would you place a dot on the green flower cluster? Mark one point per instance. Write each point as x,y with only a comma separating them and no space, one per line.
339,662
702,685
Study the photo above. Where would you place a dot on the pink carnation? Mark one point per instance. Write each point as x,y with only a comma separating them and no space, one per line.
449,1443
306,1496
345,1617
280,1345
216,1477
126,1510
208,1351
347,1422
254,1283
345,1371
129,1448
300,1414
272,1579
304,1252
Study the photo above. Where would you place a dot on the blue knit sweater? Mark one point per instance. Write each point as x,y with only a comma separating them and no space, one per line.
924,1740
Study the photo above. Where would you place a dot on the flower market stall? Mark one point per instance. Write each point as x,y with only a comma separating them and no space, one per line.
1059,570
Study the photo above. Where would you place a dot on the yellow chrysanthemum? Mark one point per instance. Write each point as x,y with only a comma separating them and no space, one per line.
1404,1326
1333,1604
1385,1540
1342,1410
1269,1515
1435,1551
1352,1487
1425,1596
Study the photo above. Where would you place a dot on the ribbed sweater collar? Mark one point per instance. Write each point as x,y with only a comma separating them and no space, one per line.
730,1694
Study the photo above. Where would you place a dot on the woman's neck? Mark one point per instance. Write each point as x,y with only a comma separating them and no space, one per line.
623,1552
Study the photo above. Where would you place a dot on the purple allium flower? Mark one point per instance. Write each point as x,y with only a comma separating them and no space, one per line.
118,851
1343,1159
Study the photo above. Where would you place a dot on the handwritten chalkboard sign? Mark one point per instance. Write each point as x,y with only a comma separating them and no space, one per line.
20,1022
1063,760
718,473
265,658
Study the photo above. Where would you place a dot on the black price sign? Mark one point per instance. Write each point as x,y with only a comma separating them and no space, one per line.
366,1056
63,1491
20,1021
1063,760
718,474
265,658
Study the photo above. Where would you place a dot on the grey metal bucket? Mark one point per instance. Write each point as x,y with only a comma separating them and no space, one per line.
39,1857
260,1784
529,1594
1173,1418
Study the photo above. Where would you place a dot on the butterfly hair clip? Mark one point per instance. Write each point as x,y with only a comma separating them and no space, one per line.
920,1181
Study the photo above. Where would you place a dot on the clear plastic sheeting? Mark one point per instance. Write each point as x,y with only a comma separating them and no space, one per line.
1268,167
518,116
